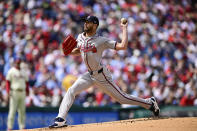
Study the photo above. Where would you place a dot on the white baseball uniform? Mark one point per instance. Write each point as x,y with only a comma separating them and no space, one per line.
91,49
18,79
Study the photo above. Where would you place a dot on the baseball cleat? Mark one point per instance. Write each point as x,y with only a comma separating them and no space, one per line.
154,107
58,122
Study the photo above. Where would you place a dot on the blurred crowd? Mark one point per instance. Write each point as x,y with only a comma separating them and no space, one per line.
161,59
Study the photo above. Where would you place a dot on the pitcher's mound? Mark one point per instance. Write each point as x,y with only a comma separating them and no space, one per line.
142,124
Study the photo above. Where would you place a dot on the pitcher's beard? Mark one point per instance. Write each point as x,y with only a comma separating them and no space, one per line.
88,30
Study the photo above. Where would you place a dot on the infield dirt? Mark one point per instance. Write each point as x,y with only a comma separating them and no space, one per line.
142,124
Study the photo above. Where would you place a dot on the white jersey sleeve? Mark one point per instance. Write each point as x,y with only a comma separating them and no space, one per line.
109,44
78,40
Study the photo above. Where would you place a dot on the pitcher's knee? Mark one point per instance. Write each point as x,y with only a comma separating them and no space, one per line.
72,92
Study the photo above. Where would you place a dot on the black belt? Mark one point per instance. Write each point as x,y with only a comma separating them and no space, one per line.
99,71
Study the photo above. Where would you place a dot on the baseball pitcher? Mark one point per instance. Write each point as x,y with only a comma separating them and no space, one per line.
91,47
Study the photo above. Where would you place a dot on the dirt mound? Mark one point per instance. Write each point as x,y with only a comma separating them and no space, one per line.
143,124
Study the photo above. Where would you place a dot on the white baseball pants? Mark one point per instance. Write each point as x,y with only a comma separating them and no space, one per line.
104,81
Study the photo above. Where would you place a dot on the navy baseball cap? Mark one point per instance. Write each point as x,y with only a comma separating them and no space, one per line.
92,19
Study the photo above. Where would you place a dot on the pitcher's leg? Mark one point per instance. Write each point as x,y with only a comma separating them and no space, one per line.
21,112
80,84
114,91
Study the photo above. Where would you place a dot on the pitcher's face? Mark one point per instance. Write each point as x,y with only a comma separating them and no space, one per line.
88,27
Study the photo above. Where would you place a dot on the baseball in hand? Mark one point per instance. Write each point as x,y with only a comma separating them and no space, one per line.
123,20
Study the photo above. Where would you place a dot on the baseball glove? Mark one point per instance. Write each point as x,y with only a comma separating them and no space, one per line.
68,44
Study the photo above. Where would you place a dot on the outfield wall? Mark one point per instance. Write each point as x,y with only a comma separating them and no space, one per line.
42,117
